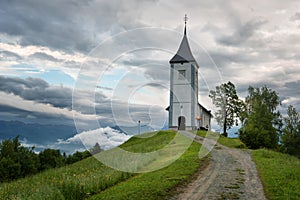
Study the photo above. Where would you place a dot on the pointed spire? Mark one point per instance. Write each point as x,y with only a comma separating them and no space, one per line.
184,53
185,20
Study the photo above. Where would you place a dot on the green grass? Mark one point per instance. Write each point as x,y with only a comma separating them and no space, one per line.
280,174
229,142
72,182
157,184
89,177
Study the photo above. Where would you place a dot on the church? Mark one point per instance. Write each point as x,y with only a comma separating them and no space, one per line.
185,112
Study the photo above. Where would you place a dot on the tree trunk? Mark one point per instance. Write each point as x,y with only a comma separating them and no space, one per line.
225,127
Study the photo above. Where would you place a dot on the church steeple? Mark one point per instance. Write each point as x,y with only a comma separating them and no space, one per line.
184,53
185,20
184,109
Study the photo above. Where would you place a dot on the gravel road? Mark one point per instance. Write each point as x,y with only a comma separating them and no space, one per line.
231,174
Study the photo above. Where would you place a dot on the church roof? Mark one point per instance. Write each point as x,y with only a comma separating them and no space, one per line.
207,111
184,53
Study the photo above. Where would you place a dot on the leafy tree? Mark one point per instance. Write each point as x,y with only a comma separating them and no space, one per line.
28,160
96,149
229,105
16,161
9,169
261,118
9,148
77,156
291,132
51,158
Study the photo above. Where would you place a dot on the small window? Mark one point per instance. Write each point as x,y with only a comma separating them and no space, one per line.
181,74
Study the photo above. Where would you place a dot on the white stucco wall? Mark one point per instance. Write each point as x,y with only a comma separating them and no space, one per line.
185,111
183,94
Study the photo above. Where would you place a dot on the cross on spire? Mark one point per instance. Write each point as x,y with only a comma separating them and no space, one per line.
185,20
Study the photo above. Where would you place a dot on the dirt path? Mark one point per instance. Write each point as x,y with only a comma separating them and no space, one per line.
231,174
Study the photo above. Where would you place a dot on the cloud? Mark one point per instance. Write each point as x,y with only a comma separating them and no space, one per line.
66,25
106,137
242,33
37,90
49,24
40,110
295,17
9,55
43,56
251,43
33,100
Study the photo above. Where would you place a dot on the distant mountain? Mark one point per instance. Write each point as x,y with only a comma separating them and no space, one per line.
35,133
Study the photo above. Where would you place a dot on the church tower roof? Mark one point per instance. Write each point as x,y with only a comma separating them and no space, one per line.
184,53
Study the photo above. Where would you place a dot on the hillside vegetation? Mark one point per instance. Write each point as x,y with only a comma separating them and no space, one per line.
229,142
279,173
89,177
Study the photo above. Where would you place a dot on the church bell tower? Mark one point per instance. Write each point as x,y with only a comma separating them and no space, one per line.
183,108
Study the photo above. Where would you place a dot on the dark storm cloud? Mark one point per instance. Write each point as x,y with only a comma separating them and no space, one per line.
9,55
295,17
242,33
37,90
243,45
16,85
43,56
157,85
55,24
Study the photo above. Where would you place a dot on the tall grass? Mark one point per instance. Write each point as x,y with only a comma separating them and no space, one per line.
280,174
77,181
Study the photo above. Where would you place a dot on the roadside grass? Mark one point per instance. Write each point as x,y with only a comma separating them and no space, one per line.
280,174
88,177
229,142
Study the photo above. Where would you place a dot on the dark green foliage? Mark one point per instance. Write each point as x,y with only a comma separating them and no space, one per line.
291,132
51,158
16,161
261,119
9,169
229,105
29,161
77,156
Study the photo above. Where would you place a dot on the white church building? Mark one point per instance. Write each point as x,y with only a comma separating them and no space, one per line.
185,112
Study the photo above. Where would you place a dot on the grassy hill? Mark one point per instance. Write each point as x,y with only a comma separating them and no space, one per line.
280,174
91,179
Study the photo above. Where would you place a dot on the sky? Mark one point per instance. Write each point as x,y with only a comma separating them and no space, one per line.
97,64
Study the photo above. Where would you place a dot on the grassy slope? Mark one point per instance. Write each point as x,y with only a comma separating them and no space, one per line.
157,184
89,177
280,174
229,142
